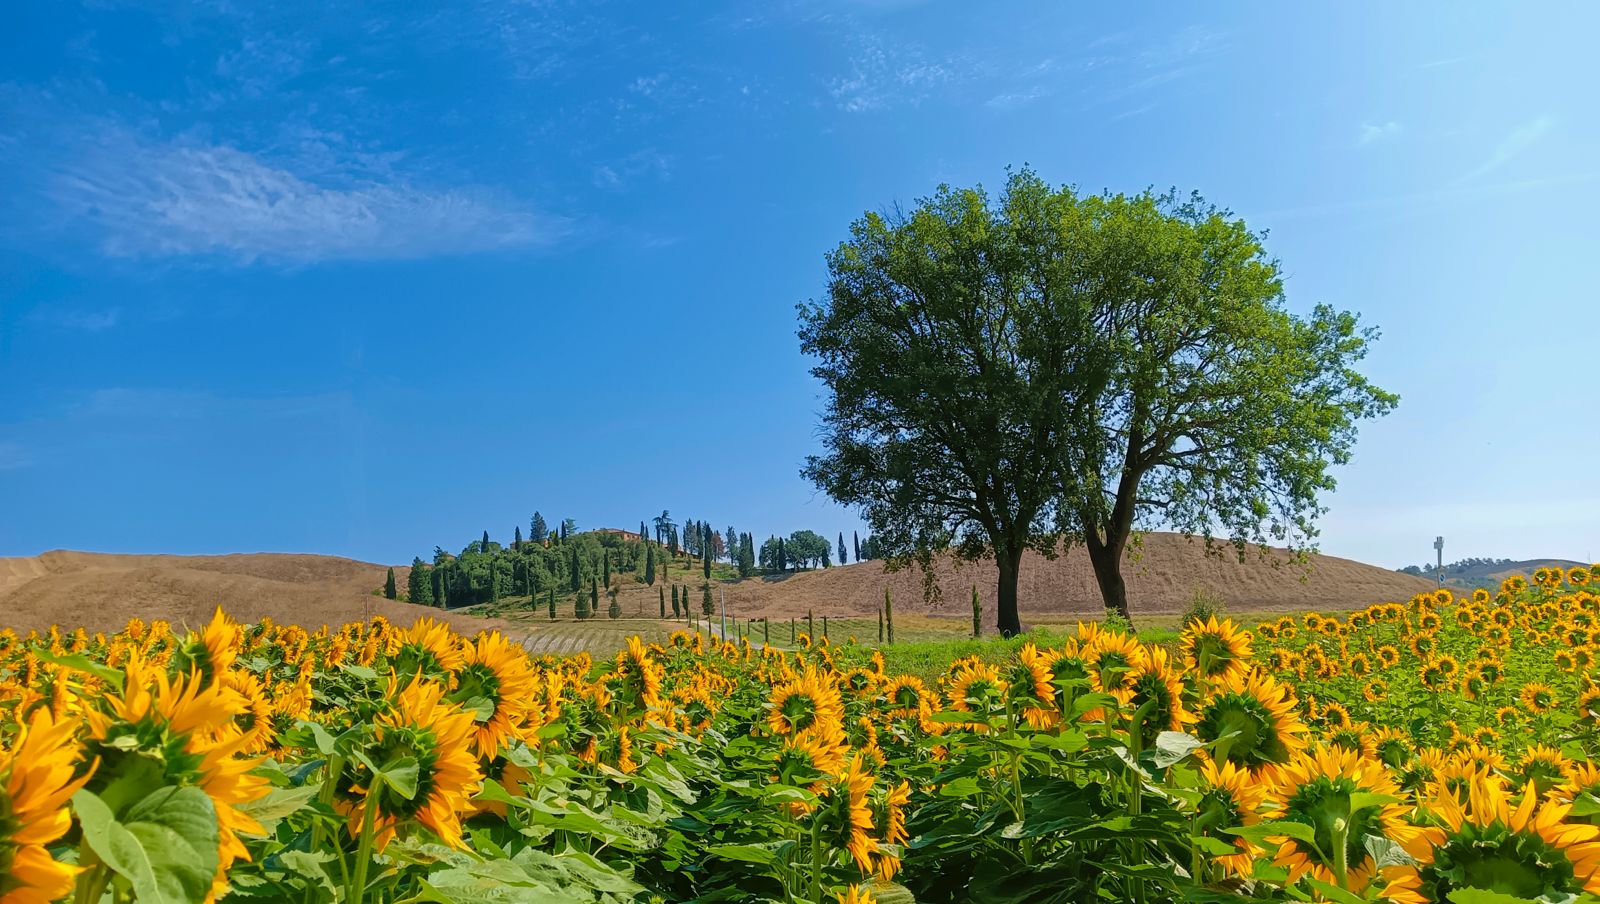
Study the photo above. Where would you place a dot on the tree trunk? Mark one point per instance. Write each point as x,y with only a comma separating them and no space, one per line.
1106,557
1010,564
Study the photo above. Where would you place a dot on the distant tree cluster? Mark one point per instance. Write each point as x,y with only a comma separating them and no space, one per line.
581,566
561,560
1460,566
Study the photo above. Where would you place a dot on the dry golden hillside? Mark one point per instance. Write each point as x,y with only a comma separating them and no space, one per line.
1164,580
100,591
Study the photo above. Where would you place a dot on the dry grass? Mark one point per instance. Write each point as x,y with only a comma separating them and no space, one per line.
101,592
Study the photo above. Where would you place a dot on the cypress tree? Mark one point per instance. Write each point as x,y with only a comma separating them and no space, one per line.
782,558
605,557
707,605
539,532
552,603
857,538
663,592
650,565
419,587
389,589
485,547
674,600
594,597
577,572
643,537
437,579
842,559
705,555
614,610
516,542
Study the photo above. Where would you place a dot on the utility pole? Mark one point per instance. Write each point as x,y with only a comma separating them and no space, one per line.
1438,573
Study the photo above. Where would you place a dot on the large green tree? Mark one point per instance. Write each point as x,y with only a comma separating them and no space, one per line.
1050,368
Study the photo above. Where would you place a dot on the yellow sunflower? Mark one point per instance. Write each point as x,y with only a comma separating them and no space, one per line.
1230,798
1541,768
185,729
1250,721
496,685
1215,649
437,735
1538,698
36,781
1155,690
1346,799
1110,657
1483,839
431,648
804,701
855,894
975,687
891,816
847,812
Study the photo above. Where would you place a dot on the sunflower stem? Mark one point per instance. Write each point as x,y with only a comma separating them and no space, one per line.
356,890
1341,834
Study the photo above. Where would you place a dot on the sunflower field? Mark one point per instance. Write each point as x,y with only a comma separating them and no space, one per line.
1435,750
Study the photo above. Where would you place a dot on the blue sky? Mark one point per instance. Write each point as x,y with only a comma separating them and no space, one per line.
362,280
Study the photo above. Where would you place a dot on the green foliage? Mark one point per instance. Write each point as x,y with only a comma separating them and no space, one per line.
1135,363
390,591
1203,605
707,605
419,586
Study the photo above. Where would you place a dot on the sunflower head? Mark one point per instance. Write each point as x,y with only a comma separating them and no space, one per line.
1250,721
1346,799
1488,840
1215,649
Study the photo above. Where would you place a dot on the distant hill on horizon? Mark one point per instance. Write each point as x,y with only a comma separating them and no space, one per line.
1470,574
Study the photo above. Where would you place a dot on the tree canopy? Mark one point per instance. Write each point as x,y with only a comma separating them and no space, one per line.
1053,368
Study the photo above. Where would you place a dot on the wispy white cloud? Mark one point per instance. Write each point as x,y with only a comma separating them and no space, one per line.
1518,140
1372,133
183,198
883,74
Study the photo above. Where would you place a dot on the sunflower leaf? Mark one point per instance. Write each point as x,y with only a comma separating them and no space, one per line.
1173,746
166,848
1387,852
400,774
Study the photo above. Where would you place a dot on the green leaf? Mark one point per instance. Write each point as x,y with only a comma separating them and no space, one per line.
1333,892
281,803
400,774
745,853
311,867
1261,831
1173,746
1387,852
965,786
165,847
1362,800
1484,896
1215,847
82,663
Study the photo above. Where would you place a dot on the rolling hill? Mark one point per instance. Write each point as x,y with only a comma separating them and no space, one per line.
102,591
